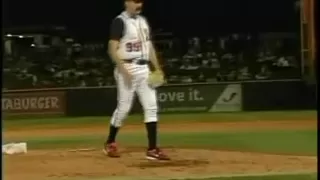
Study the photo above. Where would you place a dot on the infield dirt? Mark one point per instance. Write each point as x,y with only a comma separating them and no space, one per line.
55,164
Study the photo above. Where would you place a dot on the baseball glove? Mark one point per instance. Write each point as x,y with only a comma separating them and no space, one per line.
156,79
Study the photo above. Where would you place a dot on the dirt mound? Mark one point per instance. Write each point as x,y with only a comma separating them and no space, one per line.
41,165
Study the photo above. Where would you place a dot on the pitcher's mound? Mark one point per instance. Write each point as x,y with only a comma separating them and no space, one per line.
41,164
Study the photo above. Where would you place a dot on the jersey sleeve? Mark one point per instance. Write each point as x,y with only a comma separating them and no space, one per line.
116,30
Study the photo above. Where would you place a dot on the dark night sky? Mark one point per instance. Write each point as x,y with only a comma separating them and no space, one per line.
94,16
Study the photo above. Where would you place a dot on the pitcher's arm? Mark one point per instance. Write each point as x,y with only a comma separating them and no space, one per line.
153,58
116,33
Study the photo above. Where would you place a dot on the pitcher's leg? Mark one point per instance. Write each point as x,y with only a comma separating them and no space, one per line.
148,100
125,100
125,96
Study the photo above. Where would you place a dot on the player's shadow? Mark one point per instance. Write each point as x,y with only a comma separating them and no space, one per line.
172,163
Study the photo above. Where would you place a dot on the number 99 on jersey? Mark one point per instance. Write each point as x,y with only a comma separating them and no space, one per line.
133,46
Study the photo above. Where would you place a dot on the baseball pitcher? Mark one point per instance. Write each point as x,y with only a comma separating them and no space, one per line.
131,50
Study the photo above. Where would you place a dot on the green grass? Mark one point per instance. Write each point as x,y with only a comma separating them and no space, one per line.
276,177
165,118
302,142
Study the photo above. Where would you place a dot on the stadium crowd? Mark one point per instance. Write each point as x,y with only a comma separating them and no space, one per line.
234,57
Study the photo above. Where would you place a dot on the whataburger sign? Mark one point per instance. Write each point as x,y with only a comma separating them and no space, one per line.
33,103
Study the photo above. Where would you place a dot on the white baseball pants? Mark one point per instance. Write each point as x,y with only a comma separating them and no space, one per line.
125,97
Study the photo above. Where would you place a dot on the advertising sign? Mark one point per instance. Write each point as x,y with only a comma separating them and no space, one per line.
200,98
33,103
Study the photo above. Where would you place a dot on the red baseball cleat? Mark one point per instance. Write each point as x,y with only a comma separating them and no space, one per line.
111,150
156,154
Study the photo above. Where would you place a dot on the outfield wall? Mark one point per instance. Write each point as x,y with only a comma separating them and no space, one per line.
215,97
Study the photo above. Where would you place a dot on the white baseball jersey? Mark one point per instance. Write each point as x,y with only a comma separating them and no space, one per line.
135,42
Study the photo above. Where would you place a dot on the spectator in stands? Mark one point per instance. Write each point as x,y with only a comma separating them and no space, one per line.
186,79
26,79
194,45
281,62
269,58
232,57
226,63
264,73
244,74
201,78
188,65
232,76
211,61
81,81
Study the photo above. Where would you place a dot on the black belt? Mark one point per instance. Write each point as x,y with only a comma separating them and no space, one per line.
138,61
